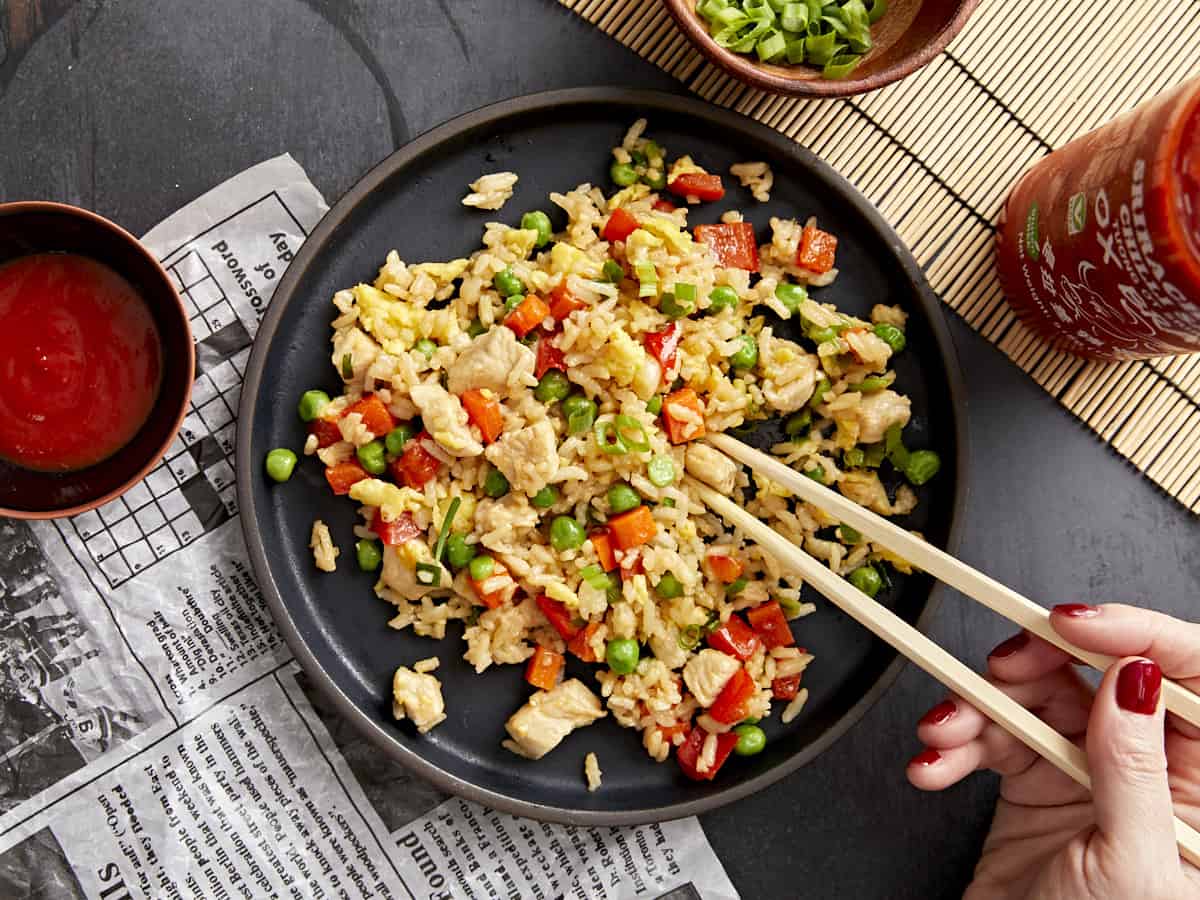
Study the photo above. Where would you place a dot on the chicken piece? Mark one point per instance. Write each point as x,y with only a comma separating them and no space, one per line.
445,420
880,411
417,696
496,360
549,716
869,348
400,570
789,373
707,673
527,457
355,343
865,489
712,467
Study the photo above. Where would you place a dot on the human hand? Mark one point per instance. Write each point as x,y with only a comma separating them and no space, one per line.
1051,838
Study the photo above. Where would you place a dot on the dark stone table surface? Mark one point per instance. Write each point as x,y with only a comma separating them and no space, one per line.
134,107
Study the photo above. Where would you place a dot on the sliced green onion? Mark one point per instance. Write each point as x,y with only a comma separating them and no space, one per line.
877,11
795,51
673,308
347,366
873,455
684,292
841,66
444,532
798,423
690,637
647,277
854,458
772,47
714,619
819,49
819,392
872,384
817,474
737,586
612,271
632,433
476,328
654,405
850,535
429,574
791,608
794,17
894,449
608,439
661,471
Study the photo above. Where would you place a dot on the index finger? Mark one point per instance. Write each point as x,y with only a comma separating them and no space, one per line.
1116,629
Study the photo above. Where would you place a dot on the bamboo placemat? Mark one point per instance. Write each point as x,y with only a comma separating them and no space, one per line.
938,151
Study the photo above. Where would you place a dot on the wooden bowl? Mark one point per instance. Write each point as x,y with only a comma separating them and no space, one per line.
909,35
40,227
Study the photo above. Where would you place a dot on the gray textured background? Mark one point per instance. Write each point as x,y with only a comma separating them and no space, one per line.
134,107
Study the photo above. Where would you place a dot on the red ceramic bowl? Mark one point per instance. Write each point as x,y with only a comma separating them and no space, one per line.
909,35
40,227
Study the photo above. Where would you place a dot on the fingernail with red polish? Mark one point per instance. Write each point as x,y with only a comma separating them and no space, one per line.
1138,685
1009,647
927,757
940,714
1076,610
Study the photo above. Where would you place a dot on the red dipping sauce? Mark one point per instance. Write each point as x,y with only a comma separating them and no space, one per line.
80,362
1099,243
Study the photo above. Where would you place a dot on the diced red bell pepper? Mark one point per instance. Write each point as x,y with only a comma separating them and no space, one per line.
620,225
528,315
581,644
736,638
664,345
416,465
563,302
679,430
401,531
771,625
727,569
662,204
375,415
543,668
326,430
548,357
483,409
633,528
733,703
785,688
490,599
669,731
602,542
733,243
559,616
817,249
688,753
702,185
344,476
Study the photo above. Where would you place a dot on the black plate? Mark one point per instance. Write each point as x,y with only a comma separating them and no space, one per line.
335,624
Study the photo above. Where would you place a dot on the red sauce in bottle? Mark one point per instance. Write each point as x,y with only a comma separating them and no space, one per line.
1099,243
80,362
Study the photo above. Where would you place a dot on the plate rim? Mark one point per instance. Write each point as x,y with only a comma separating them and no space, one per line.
721,117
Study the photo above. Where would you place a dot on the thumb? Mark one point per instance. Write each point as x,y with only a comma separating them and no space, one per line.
1129,775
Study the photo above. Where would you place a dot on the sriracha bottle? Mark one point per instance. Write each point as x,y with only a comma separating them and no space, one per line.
1098,246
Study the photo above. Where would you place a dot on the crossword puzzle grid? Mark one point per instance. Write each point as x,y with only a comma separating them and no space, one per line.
191,491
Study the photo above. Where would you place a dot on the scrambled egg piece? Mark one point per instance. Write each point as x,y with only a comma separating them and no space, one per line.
624,356
393,501
568,260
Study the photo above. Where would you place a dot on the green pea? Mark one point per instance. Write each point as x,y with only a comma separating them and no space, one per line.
369,555
747,355
622,498
372,457
458,551
513,302
822,335
892,336
669,587
817,474
798,423
866,579
280,463
652,149
553,386
672,307
622,655
506,283
854,458
397,438
481,567
311,404
922,465
546,497
623,174
540,222
656,178
819,392
872,384
850,535
425,346
612,271
566,534
576,403
661,471
751,740
476,328
581,422
654,405
791,295
722,297
495,485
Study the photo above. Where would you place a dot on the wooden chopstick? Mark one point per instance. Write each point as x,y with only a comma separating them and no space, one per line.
960,678
941,565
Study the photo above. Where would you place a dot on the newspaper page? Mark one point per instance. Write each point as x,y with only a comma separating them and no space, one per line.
157,739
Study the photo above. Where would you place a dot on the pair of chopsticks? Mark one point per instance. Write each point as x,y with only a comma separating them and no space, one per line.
960,678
